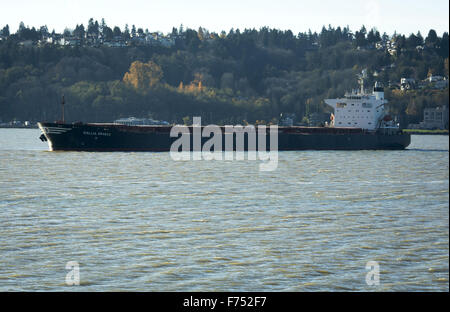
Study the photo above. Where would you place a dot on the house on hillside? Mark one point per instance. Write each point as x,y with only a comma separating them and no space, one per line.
407,84
437,82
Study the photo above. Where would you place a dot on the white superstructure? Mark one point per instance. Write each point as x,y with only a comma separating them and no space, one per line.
360,110
132,121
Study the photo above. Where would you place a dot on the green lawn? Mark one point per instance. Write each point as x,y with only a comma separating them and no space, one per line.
421,131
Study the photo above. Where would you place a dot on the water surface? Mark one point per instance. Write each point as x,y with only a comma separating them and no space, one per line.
143,222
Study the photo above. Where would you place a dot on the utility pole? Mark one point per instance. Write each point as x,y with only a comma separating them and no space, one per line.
62,103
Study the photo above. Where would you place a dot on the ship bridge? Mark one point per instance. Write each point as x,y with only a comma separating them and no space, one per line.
359,109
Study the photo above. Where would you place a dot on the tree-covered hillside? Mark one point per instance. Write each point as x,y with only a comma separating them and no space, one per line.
254,75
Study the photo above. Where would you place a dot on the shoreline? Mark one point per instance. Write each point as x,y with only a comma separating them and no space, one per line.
19,127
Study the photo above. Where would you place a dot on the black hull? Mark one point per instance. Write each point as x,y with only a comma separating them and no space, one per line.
109,137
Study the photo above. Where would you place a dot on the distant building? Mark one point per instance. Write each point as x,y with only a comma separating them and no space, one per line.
116,42
380,45
419,48
392,51
433,118
61,41
407,84
72,41
435,78
436,117
437,82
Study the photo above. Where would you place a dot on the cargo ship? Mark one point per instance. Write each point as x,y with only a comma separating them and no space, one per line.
359,122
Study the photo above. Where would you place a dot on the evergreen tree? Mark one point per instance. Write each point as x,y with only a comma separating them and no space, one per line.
126,32
117,32
432,38
360,37
79,32
5,31
102,27
91,27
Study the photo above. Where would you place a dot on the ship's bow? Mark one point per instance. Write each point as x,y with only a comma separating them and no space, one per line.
53,133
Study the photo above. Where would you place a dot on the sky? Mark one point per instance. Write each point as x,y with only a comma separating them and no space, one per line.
402,16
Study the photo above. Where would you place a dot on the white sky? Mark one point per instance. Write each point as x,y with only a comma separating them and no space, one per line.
403,16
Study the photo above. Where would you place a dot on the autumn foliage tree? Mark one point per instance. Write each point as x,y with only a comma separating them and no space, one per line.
143,76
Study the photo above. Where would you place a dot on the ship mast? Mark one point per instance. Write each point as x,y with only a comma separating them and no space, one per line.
361,78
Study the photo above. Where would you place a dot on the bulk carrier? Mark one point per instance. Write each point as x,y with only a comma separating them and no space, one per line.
359,122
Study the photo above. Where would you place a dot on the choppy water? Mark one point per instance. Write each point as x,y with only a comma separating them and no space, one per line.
141,221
